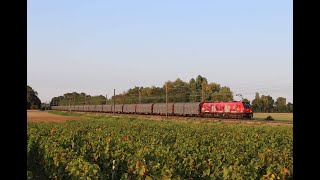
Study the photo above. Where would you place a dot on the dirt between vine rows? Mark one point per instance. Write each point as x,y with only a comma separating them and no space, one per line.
43,116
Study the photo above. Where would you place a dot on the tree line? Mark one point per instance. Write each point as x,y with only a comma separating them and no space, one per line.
266,104
178,91
196,90
75,98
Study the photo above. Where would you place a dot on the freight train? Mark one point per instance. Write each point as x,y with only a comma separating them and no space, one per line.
232,110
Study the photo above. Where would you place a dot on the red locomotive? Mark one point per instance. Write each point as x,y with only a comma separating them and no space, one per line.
236,110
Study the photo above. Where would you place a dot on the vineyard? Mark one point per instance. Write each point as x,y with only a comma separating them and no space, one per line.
101,147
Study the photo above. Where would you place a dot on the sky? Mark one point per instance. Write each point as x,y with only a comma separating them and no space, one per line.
97,46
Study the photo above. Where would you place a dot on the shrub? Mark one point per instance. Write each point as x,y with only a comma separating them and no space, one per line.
269,118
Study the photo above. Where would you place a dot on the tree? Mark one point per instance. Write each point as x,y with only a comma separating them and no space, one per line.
193,96
290,107
245,100
208,91
132,95
178,90
181,91
280,105
158,94
223,95
267,103
147,95
98,100
201,83
33,102
257,105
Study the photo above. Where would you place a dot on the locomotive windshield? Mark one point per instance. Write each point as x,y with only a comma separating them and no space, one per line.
246,105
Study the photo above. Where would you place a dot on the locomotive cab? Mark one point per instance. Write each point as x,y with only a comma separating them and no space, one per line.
247,110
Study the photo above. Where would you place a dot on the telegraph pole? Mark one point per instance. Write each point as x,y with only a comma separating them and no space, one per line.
106,99
69,104
139,96
114,100
167,99
202,93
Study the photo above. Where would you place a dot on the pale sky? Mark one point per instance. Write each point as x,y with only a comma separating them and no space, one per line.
97,46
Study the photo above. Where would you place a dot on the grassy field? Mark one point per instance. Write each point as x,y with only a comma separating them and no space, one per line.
276,116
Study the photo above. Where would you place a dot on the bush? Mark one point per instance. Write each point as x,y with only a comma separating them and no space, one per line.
269,118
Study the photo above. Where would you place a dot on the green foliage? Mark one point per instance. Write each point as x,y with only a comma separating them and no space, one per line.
245,100
33,102
201,90
193,97
266,104
224,95
270,118
290,107
178,91
257,104
280,105
121,148
77,99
